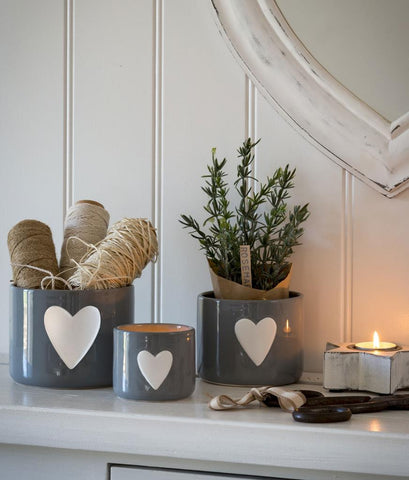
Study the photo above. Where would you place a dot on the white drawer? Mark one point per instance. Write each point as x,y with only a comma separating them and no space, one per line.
142,473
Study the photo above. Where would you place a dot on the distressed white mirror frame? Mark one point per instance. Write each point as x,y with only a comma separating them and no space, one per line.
341,125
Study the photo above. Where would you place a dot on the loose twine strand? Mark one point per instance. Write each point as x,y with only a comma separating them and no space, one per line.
289,400
50,277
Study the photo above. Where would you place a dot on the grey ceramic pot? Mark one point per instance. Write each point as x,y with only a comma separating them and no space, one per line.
76,324
250,342
154,361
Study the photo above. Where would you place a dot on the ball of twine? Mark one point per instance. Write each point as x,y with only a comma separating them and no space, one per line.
85,223
119,258
32,253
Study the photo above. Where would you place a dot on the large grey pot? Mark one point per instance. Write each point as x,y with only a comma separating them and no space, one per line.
249,342
33,358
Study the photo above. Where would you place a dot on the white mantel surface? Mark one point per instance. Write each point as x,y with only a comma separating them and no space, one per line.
267,440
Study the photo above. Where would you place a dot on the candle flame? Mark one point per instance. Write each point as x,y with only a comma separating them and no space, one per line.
376,342
287,328
376,345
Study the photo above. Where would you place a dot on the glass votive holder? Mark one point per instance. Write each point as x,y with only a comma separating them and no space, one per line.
154,361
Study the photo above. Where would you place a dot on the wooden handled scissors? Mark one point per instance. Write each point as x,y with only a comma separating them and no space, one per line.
320,409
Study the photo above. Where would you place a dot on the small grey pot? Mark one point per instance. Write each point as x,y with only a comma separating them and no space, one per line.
250,342
79,327
154,361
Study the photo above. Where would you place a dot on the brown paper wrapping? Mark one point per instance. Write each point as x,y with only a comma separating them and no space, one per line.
229,290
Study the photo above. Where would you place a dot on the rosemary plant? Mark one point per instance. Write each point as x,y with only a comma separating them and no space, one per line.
262,220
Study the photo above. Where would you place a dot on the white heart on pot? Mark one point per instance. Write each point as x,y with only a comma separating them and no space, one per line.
256,339
155,369
72,335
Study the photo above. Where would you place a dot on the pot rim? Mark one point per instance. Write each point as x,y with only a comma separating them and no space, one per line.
185,329
69,292
209,295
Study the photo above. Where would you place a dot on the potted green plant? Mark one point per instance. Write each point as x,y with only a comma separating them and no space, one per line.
250,328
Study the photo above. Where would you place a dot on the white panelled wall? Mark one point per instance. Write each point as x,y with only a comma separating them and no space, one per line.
121,102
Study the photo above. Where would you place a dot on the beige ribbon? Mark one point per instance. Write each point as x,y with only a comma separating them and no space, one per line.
289,400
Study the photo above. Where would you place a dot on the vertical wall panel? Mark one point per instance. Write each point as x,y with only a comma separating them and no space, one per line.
381,266
317,264
113,98
204,107
31,123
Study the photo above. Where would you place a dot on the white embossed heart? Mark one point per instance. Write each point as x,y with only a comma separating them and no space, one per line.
256,339
72,335
155,368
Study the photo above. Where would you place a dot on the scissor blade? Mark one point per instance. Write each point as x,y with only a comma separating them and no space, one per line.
337,401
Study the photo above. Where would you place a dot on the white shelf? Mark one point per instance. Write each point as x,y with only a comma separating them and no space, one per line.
98,421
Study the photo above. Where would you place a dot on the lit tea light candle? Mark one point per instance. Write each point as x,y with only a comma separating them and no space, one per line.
375,344
287,328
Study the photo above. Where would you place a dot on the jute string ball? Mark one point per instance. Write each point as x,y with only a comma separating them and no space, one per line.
119,258
85,223
32,253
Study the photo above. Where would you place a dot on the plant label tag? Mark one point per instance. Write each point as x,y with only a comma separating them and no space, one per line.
245,263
